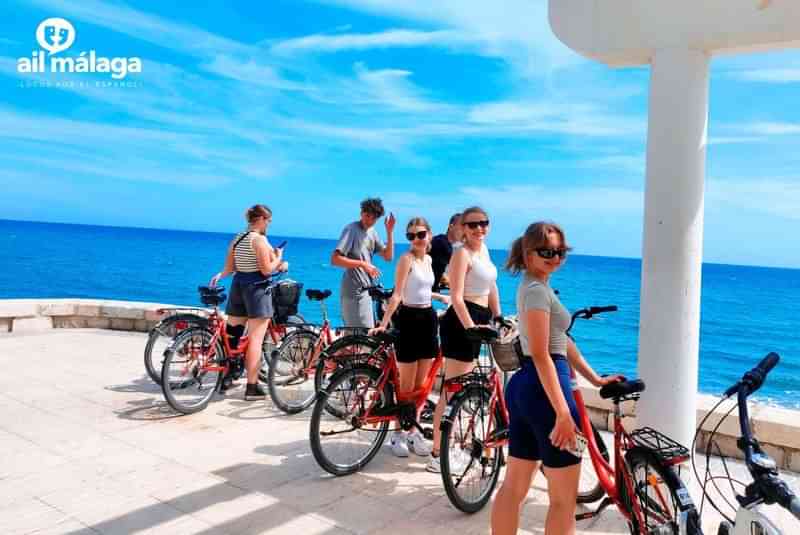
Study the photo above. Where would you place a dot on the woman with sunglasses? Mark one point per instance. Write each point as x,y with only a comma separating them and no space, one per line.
474,302
416,320
542,411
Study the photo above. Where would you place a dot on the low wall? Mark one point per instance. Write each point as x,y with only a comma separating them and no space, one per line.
777,429
37,315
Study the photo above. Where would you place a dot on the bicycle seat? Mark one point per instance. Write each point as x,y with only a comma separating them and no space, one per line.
388,336
379,293
482,334
212,295
622,389
318,295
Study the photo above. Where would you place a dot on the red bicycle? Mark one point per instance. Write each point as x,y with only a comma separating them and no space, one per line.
643,482
352,414
200,356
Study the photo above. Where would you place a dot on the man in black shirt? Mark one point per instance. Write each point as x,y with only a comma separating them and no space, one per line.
442,250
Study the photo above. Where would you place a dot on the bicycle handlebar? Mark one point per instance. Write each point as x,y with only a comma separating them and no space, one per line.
600,310
587,313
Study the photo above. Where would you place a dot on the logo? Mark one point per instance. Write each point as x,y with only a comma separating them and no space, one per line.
56,35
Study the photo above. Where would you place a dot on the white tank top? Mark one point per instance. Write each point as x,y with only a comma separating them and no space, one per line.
482,273
419,283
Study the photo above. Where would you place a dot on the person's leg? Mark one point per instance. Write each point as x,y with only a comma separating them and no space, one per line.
423,367
508,502
562,489
256,329
408,374
452,368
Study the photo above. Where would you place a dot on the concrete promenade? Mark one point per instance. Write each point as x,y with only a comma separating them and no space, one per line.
88,446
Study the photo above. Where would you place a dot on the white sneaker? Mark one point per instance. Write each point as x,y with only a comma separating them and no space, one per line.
399,444
418,445
433,465
458,463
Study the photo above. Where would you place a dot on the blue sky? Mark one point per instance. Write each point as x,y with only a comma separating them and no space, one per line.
310,106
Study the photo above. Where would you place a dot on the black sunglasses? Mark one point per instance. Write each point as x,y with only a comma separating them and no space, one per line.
416,235
475,224
551,253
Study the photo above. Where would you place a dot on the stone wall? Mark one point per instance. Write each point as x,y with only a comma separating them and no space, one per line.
777,429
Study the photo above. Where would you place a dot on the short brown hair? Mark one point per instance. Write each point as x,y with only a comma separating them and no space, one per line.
473,210
256,211
536,236
373,205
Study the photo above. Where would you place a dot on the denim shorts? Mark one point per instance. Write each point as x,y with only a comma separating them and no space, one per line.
532,417
250,296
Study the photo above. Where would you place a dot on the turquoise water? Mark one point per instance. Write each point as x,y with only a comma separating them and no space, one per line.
746,311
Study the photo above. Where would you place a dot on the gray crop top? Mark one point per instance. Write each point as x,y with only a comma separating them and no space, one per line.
535,295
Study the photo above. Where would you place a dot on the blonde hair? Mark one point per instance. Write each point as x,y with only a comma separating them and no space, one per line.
420,222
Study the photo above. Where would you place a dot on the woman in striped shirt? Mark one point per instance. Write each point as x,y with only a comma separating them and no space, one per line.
253,260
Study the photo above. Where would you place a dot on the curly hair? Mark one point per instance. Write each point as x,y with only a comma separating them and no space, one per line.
373,206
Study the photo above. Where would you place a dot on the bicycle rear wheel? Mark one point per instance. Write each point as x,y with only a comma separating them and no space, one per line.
589,488
346,350
269,347
470,471
191,372
660,493
160,338
290,381
341,444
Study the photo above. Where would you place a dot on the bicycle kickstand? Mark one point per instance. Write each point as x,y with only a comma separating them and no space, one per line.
600,508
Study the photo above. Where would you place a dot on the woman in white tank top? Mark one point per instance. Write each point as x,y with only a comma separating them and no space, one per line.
474,301
417,343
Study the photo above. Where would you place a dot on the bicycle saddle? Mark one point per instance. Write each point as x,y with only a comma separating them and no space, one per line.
212,295
379,293
482,334
318,295
622,389
388,336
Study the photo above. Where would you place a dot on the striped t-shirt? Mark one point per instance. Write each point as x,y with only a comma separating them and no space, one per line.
244,255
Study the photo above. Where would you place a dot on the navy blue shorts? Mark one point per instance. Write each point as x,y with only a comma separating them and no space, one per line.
250,296
532,417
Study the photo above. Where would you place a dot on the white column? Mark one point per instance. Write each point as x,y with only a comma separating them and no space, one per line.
673,242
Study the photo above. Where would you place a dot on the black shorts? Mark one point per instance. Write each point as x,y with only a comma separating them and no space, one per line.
418,329
455,344
250,296
532,417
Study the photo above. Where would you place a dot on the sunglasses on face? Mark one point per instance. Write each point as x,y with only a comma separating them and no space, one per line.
475,224
551,253
411,236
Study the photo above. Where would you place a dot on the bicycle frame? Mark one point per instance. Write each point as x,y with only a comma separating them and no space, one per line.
217,326
391,375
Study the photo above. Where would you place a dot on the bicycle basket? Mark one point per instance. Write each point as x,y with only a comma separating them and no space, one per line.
285,299
507,350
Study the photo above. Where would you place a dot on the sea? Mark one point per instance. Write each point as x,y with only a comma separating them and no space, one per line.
746,311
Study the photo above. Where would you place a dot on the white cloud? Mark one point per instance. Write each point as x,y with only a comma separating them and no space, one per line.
774,128
396,38
517,31
392,88
774,196
774,76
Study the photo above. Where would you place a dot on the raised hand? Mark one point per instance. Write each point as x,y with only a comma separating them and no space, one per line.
389,223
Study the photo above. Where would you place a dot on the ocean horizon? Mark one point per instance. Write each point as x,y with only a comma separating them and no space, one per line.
746,311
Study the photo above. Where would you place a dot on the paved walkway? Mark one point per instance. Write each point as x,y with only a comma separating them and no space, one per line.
88,446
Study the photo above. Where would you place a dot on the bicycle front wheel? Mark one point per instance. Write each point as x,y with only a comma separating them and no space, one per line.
589,488
191,372
341,443
348,349
160,338
470,470
290,377
661,495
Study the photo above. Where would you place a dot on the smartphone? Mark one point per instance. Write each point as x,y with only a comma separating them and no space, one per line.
281,245
580,445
